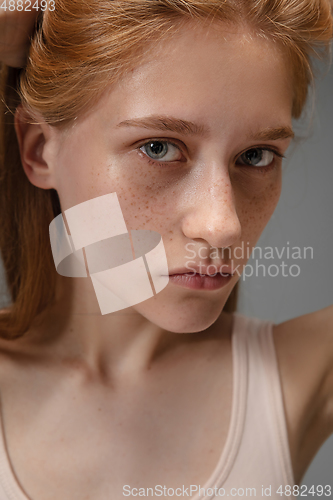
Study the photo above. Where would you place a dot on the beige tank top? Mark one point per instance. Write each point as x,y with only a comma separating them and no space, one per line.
255,461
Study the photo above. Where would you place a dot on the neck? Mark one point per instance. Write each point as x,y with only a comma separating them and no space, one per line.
117,344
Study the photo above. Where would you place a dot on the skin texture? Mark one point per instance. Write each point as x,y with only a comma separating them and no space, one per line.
304,348
120,388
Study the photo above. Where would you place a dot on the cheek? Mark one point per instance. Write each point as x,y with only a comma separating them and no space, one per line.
256,204
146,199
79,170
144,207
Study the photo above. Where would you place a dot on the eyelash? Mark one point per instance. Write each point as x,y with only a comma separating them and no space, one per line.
262,170
155,162
266,168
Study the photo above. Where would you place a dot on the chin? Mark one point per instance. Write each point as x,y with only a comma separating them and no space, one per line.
191,317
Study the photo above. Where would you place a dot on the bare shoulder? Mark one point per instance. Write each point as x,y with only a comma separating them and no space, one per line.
304,348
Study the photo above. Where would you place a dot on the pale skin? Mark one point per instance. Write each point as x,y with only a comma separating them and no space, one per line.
116,398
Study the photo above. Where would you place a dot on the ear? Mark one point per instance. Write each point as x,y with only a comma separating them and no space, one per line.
33,137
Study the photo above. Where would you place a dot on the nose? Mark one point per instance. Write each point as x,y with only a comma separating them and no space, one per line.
211,213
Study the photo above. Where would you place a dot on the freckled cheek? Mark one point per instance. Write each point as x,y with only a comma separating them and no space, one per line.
255,211
145,206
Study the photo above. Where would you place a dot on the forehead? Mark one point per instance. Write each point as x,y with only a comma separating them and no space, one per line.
216,74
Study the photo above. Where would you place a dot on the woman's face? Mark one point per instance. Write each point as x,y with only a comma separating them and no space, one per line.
190,140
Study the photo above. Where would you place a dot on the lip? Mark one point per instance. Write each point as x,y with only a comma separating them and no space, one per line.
224,269
201,279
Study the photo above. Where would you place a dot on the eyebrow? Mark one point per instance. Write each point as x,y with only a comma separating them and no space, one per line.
184,127
273,134
165,123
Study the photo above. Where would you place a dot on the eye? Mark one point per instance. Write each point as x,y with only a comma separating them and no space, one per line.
258,157
161,150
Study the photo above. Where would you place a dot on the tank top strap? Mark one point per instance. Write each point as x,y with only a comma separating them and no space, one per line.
265,407
269,358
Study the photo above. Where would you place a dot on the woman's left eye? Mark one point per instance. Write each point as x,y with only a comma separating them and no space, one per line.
161,150
257,157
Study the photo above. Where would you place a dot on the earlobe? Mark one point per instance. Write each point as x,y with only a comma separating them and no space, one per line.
32,137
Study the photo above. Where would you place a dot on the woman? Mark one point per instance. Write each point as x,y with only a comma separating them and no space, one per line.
183,109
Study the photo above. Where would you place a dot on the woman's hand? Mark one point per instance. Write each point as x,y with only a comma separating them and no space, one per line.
15,30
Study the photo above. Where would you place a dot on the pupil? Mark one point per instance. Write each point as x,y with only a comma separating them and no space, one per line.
157,148
254,156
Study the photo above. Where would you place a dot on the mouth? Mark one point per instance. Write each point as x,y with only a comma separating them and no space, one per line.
211,270
203,280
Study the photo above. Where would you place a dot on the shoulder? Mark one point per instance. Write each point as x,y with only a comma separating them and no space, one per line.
304,348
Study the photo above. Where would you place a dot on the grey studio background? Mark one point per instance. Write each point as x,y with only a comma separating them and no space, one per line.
303,218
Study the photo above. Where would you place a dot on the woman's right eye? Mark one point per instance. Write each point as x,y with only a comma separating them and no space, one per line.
161,151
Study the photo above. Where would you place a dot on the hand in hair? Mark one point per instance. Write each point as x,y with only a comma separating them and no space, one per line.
15,30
